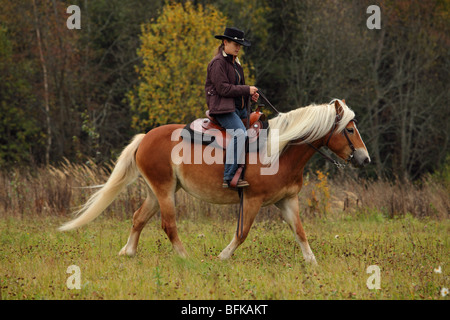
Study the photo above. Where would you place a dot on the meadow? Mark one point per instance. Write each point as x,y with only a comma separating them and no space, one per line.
351,225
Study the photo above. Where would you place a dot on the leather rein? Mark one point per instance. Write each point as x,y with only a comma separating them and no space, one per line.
325,156
240,222
350,144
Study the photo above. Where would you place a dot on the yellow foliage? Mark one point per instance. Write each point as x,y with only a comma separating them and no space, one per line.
318,202
175,52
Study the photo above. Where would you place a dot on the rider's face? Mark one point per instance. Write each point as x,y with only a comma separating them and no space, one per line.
231,47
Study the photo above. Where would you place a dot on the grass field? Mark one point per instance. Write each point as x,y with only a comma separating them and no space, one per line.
34,259
401,227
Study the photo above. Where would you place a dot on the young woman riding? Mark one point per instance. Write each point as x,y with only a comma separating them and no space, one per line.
227,96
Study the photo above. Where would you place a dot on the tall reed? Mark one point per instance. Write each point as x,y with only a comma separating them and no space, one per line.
61,190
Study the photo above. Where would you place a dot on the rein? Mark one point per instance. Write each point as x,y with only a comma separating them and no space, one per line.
350,144
240,174
240,222
325,156
267,101
328,158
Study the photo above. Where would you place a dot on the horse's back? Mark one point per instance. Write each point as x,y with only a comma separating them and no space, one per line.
166,157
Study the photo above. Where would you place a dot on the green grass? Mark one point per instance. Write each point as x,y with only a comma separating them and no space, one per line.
34,258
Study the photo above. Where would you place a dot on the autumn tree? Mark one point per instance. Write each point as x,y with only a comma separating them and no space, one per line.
80,94
18,131
395,78
175,52
407,88
77,80
109,39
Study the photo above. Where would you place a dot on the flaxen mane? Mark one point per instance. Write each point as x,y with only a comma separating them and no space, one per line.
309,123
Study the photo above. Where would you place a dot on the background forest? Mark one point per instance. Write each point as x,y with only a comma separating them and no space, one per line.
72,99
82,94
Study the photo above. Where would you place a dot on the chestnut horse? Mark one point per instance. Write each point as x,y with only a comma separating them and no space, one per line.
301,133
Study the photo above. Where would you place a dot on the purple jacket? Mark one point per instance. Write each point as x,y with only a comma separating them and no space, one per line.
220,85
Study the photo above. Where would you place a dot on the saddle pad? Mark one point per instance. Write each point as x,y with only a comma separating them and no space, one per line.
205,131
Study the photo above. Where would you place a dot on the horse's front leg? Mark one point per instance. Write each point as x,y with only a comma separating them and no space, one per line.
290,213
251,209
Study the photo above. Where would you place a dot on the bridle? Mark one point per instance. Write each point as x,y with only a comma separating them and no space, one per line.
350,144
336,121
240,223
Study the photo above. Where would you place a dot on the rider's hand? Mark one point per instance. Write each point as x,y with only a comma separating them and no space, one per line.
253,90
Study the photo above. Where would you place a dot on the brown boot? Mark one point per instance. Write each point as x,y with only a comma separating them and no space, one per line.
240,184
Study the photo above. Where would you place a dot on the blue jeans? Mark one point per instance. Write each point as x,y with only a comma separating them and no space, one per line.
235,152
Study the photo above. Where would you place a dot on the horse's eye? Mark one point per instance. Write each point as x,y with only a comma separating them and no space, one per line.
350,130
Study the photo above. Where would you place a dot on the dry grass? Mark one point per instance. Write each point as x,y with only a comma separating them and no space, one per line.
59,191
34,258
351,224
424,198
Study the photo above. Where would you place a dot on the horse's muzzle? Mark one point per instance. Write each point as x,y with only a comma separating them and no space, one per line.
360,158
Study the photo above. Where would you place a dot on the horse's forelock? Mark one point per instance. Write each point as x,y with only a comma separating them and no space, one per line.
346,116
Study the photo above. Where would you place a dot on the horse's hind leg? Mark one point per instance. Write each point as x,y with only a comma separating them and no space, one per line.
140,219
289,212
168,223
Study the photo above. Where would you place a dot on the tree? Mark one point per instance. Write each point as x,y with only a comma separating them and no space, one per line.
45,80
108,43
18,131
408,89
396,78
79,78
175,52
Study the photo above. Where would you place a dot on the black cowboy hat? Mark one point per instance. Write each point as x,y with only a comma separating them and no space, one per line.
235,35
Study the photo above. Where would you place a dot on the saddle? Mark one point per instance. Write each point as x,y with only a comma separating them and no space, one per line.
211,128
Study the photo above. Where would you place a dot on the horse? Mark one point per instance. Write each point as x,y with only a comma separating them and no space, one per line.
300,134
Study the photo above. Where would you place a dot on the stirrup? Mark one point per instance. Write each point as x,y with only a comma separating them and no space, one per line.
240,184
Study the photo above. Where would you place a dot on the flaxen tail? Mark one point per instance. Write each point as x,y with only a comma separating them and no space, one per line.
123,174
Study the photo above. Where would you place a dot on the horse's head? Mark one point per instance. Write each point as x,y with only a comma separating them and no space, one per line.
347,144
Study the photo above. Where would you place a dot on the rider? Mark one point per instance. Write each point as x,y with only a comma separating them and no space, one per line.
227,96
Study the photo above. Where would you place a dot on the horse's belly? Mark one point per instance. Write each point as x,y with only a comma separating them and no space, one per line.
205,183
229,197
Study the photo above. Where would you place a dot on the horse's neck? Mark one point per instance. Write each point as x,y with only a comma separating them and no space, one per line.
297,155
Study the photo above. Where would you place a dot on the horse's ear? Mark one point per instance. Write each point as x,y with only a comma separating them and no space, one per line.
343,100
339,109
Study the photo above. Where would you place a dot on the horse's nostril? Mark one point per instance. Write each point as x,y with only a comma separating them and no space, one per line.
366,161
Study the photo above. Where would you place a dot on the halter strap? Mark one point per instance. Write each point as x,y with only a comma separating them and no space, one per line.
326,157
350,144
337,119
